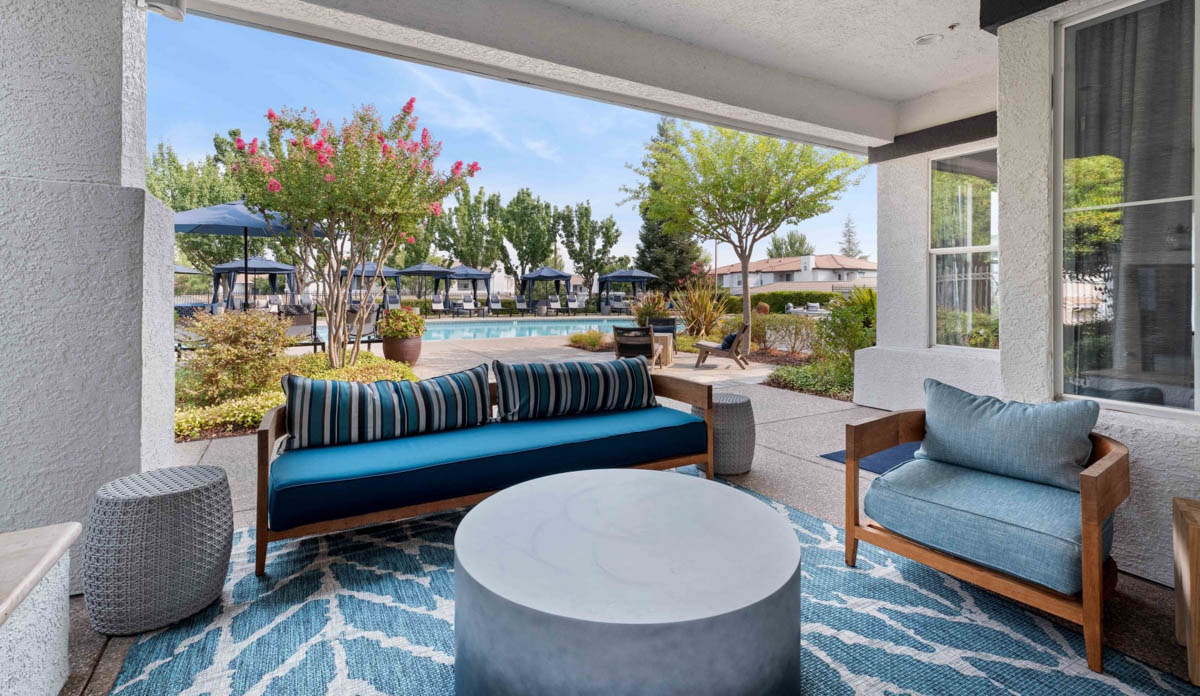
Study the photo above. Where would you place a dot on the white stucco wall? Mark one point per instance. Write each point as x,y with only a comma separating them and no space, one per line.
891,374
88,395
1165,452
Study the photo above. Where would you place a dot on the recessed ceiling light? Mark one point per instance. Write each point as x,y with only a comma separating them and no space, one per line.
927,39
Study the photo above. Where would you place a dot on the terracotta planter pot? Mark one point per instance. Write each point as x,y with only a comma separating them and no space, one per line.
402,349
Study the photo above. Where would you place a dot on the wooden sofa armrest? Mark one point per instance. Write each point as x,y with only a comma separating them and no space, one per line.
1104,484
693,393
269,432
865,439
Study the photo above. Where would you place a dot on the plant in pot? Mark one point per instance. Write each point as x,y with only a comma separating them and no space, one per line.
401,331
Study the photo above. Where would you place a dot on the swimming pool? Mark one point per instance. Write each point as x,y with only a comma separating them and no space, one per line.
466,329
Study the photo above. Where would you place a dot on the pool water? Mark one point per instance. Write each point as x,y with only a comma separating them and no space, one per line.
466,329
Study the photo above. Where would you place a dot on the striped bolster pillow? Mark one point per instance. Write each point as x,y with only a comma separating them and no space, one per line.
327,412
544,390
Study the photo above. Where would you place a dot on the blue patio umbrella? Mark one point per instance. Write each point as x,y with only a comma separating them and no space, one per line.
634,276
427,270
370,270
474,275
232,218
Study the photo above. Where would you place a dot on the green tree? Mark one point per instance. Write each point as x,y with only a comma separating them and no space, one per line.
850,245
668,255
187,185
472,231
791,244
739,189
1091,237
350,195
528,225
589,242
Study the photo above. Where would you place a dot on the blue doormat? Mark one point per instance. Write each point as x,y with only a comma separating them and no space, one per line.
371,611
880,461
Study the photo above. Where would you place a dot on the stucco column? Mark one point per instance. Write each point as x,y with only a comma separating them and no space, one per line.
87,392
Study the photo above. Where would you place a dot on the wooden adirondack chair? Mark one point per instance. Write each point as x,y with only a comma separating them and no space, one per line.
707,348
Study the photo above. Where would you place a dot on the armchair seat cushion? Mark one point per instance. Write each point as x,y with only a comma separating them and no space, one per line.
313,485
1026,529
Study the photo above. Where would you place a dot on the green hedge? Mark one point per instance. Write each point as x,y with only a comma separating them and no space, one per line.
778,300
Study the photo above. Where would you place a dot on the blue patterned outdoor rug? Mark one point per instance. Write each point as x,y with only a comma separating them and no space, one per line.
371,612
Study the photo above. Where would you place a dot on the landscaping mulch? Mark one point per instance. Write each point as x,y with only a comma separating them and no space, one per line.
779,357
770,381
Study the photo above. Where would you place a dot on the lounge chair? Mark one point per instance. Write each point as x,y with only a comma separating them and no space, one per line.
666,325
632,341
707,348
619,307
554,304
392,301
437,305
521,306
468,306
494,305
367,335
303,325
574,304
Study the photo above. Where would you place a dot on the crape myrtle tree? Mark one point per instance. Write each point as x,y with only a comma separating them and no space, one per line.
350,195
528,226
472,231
588,241
733,187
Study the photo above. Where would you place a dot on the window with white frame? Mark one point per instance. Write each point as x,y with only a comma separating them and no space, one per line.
963,253
1128,287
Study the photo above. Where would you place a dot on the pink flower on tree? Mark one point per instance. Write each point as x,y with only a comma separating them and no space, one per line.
316,123
411,239
322,160
472,168
425,138
436,208
325,132
329,177
271,115
273,185
408,109
240,144
308,142
254,146
457,168
267,166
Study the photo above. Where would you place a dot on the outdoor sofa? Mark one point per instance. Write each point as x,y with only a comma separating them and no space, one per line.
307,487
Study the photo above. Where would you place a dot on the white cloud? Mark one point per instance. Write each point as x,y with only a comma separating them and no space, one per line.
543,149
459,113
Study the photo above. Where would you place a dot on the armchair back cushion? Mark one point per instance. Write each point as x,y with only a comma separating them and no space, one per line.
328,412
1043,443
526,391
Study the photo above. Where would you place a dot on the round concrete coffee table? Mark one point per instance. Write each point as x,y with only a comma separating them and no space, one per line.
626,581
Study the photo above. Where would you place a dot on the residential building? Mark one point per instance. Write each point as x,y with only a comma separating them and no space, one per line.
814,268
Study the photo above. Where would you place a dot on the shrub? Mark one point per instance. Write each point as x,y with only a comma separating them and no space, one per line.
592,340
842,333
762,308
653,305
701,304
786,332
228,416
237,356
862,298
778,300
952,329
400,323
828,378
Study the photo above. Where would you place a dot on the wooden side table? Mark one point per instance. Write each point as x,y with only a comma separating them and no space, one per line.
1187,581
666,358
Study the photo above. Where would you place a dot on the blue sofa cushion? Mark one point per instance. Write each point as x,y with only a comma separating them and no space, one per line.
312,485
328,412
1042,443
549,390
1030,530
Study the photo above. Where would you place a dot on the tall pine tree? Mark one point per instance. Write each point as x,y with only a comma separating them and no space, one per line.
668,256
850,245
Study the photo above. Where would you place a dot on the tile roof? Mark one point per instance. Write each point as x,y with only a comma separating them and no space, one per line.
793,263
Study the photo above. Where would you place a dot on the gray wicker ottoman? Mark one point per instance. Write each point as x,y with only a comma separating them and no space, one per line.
733,433
156,549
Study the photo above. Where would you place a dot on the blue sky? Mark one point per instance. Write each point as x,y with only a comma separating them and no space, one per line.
207,76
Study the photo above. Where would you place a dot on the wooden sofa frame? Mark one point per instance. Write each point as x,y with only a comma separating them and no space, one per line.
1103,485
273,427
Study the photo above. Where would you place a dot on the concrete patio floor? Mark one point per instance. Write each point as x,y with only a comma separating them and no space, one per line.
792,431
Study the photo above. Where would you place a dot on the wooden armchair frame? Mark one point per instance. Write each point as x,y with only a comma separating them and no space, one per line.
273,427
734,352
1103,485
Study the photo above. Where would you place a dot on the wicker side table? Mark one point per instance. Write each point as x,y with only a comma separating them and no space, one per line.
157,548
733,433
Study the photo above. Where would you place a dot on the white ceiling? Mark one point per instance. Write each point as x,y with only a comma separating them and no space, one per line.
862,45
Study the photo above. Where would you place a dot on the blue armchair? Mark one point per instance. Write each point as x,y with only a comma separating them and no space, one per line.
1015,498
